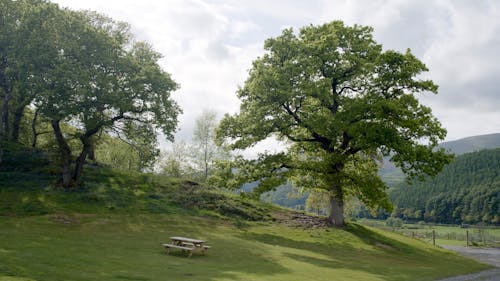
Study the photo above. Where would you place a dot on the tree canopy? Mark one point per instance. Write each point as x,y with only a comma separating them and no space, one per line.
85,69
340,102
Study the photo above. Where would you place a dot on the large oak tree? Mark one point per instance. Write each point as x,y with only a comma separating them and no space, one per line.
340,102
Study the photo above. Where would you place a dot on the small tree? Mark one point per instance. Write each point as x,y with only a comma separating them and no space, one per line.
205,148
394,222
340,102
177,161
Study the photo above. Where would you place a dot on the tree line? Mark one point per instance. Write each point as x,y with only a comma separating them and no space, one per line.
466,191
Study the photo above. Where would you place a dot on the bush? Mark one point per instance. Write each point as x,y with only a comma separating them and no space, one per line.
394,222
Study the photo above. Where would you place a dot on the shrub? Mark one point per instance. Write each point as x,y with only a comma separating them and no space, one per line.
394,222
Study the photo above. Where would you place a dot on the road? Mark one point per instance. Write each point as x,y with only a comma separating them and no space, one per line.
485,255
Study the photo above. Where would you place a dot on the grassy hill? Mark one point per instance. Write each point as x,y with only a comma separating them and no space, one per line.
127,247
112,227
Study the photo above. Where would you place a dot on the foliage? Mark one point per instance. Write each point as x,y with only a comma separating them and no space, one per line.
24,57
118,154
177,161
394,222
285,195
86,70
340,102
467,190
195,160
206,151
318,202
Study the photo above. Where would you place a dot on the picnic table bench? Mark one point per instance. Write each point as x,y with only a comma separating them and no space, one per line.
186,244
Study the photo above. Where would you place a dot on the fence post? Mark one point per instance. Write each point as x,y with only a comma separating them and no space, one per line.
467,235
434,237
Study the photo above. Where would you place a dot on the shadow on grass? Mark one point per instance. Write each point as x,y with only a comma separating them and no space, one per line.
98,249
388,258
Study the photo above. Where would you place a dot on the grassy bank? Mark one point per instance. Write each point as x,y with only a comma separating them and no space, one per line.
127,247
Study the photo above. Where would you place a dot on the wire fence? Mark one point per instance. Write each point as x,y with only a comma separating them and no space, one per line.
443,234
469,237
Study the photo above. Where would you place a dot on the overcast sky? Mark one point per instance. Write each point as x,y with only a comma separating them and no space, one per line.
208,47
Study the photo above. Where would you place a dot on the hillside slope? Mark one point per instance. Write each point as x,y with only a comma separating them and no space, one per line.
28,186
471,144
467,190
112,227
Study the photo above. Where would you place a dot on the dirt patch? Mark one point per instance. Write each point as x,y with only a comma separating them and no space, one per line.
64,219
384,246
296,219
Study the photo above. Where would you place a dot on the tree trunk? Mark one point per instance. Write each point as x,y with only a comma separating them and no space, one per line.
16,124
33,129
336,217
2,136
4,109
91,150
65,154
5,115
87,146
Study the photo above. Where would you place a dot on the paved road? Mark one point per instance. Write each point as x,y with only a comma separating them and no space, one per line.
485,255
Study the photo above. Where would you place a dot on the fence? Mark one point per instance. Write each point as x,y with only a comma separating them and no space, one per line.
445,234
469,237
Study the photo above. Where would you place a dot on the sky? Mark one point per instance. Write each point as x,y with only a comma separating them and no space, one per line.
209,45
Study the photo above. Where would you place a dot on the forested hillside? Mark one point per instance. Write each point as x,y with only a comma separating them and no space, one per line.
392,175
467,190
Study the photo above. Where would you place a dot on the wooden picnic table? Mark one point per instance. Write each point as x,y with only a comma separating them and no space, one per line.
186,244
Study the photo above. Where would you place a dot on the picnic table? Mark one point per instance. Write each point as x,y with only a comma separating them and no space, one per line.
186,244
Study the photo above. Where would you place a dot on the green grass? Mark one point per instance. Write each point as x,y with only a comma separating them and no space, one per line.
445,234
127,247
110,191
111,228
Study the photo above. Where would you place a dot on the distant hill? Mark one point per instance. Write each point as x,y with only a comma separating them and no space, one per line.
467,190
471,144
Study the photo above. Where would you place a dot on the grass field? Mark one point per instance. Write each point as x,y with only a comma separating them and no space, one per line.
445,234
127,247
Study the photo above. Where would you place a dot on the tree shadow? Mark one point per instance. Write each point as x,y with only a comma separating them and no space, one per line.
226,259
381,253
